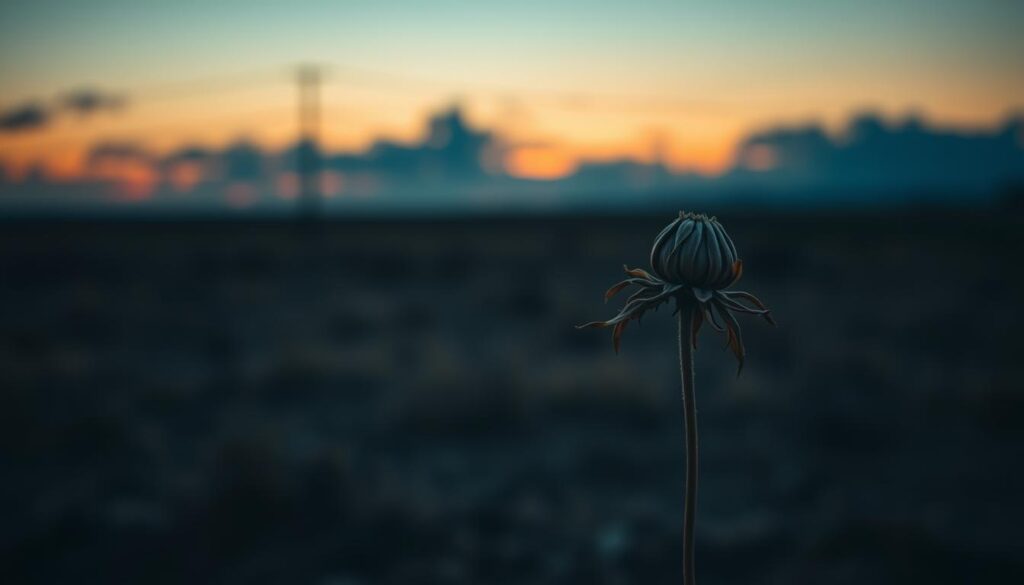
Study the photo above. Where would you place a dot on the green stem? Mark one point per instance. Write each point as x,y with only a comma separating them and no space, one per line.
686,312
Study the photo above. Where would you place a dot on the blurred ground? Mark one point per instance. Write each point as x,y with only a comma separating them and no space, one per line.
365,403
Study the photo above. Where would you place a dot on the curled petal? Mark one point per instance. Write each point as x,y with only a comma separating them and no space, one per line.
640,273
636,294
728,242
737,272
701,258
737,306
617,334
635,307
682,235
659,242
717,254
746,296
718,311
617,287
734,305
734,338
712,318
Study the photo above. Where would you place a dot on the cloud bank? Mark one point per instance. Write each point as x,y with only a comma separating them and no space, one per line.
456,167
38,114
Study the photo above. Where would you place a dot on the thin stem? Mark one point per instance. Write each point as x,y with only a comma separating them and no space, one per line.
686,313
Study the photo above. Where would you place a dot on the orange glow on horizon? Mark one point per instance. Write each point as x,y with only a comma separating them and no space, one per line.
184,176
759,158
539,163
353,121
131,181
701,142
64,166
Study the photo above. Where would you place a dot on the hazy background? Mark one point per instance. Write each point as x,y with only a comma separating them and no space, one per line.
112,107
287,292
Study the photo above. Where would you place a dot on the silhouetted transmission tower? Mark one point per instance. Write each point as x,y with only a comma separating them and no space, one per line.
308,152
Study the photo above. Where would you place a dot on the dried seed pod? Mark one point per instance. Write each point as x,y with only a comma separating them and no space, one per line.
694,251
694,261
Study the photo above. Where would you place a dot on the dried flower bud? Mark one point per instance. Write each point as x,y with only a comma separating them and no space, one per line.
695,251
694,261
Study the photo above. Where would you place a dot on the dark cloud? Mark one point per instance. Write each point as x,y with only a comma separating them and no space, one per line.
118,151
36,116
876,154
197,154
88,101
452,152
23,118
243,161
190,154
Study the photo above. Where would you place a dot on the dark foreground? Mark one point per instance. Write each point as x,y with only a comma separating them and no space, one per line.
409,403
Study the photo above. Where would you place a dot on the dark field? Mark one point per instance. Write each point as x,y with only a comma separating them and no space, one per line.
408,402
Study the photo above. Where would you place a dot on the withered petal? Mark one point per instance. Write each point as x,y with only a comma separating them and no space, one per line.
712,319
614,290
639,273
617,334
734,337
737,271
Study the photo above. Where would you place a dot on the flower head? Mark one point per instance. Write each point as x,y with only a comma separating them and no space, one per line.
694,261
694,251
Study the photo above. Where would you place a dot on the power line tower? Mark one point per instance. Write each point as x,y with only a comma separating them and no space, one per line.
308,152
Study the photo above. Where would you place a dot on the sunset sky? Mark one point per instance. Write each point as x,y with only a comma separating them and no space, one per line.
563,81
